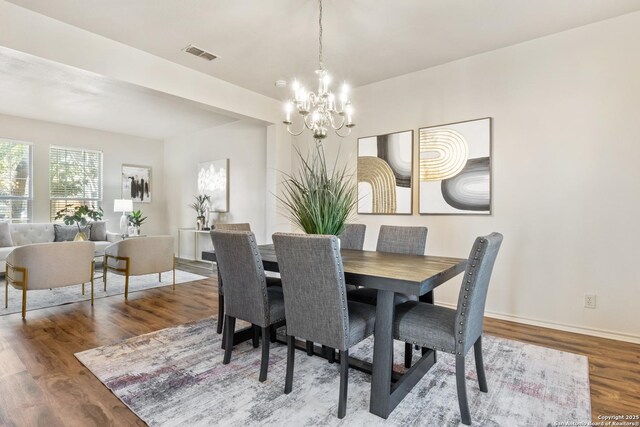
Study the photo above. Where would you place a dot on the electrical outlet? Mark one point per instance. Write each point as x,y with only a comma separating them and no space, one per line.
589,300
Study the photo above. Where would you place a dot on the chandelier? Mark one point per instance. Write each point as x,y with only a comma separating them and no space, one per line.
320,111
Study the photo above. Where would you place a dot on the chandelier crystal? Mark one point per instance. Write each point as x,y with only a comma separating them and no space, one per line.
320,111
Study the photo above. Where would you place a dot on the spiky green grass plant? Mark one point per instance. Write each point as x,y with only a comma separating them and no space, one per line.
319,201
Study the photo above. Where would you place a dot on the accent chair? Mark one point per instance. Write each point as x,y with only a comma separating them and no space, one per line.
138,256
49,265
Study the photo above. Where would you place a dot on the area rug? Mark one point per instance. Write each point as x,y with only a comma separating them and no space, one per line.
68,294
176,377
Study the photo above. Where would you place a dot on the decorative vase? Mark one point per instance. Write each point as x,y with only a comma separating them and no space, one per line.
200,222
80,237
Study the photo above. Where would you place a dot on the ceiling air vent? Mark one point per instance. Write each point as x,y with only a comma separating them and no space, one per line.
200,53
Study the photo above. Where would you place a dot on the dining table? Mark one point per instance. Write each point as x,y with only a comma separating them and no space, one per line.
389,274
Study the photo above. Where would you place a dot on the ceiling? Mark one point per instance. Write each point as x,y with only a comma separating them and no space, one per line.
40,89
260,41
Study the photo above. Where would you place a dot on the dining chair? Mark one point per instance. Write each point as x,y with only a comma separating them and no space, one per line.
352,237
398,240
271,281
455,331
316,304
247,296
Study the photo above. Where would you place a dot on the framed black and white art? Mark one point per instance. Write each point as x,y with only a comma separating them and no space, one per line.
455,168
385,169
136,183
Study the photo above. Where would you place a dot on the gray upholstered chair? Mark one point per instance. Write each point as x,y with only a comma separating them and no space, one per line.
271,281
352,237
455,331
246,294
48,265
316,303
139,256
398,240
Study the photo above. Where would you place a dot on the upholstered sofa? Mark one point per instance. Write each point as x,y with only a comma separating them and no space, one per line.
25,234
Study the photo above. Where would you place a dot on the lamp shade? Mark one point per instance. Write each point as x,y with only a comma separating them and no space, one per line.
122,205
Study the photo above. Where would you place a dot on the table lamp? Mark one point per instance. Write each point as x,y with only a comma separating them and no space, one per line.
124,206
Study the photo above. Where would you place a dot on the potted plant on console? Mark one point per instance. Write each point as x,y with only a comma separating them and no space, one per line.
78,215
201,205
135,221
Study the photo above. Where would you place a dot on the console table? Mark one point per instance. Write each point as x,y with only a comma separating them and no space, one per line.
196,235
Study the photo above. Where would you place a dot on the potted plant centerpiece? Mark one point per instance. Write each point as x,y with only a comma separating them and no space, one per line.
319,201
135,221
78,215
201,205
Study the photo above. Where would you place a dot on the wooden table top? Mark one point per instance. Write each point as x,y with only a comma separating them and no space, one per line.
409,274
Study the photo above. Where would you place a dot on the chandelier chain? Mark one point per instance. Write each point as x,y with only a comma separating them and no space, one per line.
320,37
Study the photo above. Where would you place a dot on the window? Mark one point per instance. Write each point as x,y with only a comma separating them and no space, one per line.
75,178
15,181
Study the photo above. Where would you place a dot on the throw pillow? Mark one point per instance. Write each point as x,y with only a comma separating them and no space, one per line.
98,231
66,233
5,235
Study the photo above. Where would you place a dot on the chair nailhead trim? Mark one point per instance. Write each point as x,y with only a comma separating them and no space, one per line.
468,287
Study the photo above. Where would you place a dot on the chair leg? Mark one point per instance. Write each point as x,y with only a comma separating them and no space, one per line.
482,379
24,294
329,353
104,272
273,333
462,391
264,364
408,355
83,289
344,383
220,312
93,266
126,286
291,357
229,326
6,287
309,346
256,336
159,277
174,273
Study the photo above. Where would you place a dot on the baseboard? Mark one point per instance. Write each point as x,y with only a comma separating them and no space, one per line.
635,339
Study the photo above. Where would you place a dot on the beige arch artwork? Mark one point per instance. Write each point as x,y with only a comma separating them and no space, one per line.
379,175
449,152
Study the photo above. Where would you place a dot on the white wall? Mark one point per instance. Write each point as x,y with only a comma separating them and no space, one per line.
116,148
565,170
245,145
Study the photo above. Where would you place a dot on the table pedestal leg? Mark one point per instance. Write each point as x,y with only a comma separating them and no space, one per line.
382,356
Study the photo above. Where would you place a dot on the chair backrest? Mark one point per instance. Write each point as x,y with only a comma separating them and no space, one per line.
352,237
402,240
241,226
245,285
152,254
52,265
314,290
473,292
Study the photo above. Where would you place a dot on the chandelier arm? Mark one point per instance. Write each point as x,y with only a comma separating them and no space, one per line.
345,135
295,133
341,124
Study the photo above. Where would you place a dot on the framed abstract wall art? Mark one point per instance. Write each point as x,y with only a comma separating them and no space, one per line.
455,168
136,183
385,166
213,180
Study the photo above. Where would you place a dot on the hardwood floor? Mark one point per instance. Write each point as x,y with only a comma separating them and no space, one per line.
42,383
